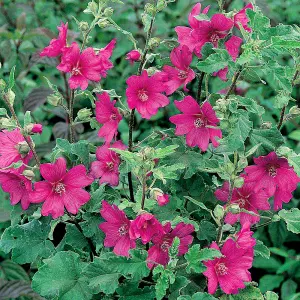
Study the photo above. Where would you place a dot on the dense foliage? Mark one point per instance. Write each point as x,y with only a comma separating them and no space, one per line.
149,149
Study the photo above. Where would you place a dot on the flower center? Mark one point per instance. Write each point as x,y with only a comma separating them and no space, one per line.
110,165
272,170
76,70
22,184
221,269
199,123
59,188
142,95
214,38
166,244
123,230
113,117
182,74
241,202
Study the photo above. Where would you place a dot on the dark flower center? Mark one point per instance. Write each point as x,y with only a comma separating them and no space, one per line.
242,202
142,95
182,74
110,165
123,230
199,122
22,184
59,188
166,244
214,38
113,117
272,169
221,269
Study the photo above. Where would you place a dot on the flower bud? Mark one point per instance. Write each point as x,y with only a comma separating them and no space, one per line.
238,182
34,128
219,212
266,125
295,110
161,198
53,100
93,7
108,12
23,148
154,42
29,174
234,208
149,9
2,85
10,96
84,26
133,56
84,114
103,23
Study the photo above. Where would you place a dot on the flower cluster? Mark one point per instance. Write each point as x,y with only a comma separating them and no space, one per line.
82,65
122,233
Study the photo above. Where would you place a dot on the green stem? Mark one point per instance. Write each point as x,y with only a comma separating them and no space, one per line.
71,117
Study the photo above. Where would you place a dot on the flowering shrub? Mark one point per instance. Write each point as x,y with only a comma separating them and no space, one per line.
172,180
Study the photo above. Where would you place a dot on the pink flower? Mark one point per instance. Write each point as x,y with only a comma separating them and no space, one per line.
181,57
194,123
37,128
233,47
205,32
159,252
247,199
145,94
133,56
108,115
230,271
116,229
145,226
163,200
185,36
56,46
245,241
84,66
61,188
13,148
106,167
275,176
18,186
242,18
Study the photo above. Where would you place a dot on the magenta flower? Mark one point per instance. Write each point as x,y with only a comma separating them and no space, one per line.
196,123
13,148
247,199
84,66
108,115
18,186
145,226
185,36
159,252
163,199
145,94
242,18
61,189
181,57
245,241
37,128
133,56
116,229
205,32
275,176
56,46
231,270
233,47
106,167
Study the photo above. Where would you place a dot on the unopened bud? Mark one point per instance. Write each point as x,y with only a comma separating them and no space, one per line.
84,26
93,7
2,85
154,42
53,100
103,23
266,125
219,212
10,96
34,129
23,148
238,182
156,192
295,110
29,174
84,114
234,208
108,12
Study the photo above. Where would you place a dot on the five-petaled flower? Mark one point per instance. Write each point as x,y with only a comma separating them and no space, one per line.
145,94
106,167
116,229
61,189
108,115
275,176
198,123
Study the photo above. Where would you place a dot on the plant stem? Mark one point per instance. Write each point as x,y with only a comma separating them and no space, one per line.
201,77
71,117
26,138
131,119
144,193
233,84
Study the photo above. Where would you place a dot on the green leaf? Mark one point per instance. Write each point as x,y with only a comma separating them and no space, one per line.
12,271
270,139
215,61
251,105
295,135
282,99
288,288
164,152
203,296
60,277
20,238
207,231
271,296
166,278
292,219
131,291
11,82
261,250
258,22
27,118
270,282
281,42
248,293
167,172
3,112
